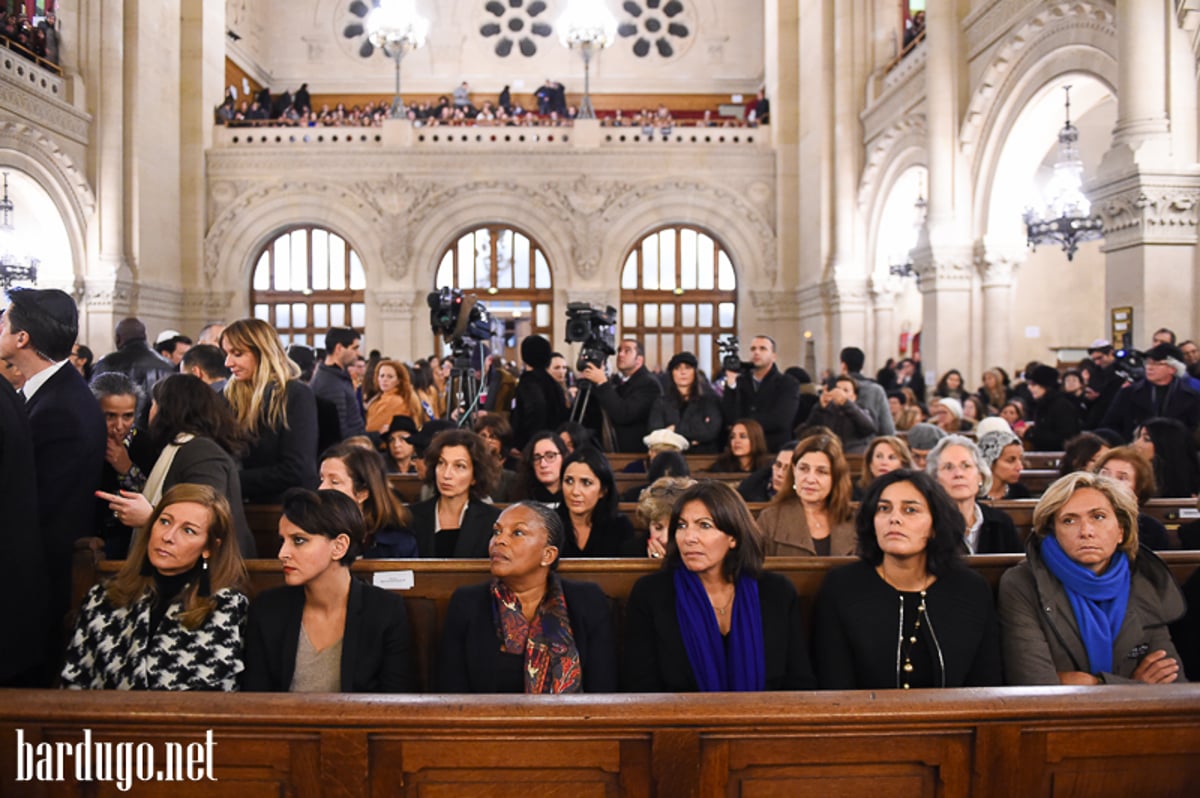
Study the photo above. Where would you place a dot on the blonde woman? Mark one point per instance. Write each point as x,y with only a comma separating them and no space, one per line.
274,408
395,397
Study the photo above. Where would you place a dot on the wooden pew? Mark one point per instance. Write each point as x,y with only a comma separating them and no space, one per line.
1105,742
434,581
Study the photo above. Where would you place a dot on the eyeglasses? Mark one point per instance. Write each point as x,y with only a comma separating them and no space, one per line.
548,457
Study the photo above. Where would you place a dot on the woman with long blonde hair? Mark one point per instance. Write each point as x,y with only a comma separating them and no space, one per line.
274,408
172,617
395,397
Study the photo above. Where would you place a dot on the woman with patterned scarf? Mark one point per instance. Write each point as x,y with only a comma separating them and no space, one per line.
712,620
1088,605
527,631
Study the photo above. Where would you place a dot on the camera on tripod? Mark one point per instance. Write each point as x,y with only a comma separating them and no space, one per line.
1130,365
459,319
730,358
596,329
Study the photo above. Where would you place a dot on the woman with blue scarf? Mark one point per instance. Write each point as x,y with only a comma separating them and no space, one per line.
1088,606
712,620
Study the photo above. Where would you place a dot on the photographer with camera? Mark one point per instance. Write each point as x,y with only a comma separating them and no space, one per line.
627,397
540,403
1161,393
763,393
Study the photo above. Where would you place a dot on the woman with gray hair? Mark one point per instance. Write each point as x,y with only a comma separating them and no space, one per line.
1003,452
1088,605
958,466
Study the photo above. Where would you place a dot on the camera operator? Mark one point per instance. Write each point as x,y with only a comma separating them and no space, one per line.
540,403
763,393
1161,393
628,397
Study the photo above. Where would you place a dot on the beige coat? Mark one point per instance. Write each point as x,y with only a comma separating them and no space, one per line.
785,533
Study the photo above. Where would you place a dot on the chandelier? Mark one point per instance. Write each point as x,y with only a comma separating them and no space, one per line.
16,264
395,27
589,27
1066,217
901,262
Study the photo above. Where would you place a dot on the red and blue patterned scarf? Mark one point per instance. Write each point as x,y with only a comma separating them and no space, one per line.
551,657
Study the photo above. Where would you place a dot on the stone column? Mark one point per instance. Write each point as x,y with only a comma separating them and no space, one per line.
1148,187
997,264
392,323
944,256
883,308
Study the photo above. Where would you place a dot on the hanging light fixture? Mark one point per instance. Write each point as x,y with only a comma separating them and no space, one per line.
395,27
902,262
587,26
16,264
1066,218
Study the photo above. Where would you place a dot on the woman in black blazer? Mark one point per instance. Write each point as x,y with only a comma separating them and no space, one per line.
325,631
712,619
456,521
555,636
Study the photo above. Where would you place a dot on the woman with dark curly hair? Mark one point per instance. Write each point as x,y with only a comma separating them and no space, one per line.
947,636
456,521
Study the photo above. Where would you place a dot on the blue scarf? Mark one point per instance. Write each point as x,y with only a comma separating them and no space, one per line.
1099,602
718,667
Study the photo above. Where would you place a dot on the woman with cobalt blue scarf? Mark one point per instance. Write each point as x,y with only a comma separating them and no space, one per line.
712,620
1088,606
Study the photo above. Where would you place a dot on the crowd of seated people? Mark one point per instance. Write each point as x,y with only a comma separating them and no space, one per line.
715,618
33,39
550,109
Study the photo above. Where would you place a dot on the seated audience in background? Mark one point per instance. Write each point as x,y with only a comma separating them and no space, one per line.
870,395
763,484
360,474
172,617
994,392
456,521
1130,468
1169,447
666,463
689,406
921,440
273,408
394,396
1013,412
1081,453
951,385
905,412
400,454
885,454
712,620
1161,393
539,474
497,434
946,413
325,631
908,541
1005,456
958,466
810,515
1054,418
974,410
555,635
838,409
745,451
654,512
199,443
594,525
1087,605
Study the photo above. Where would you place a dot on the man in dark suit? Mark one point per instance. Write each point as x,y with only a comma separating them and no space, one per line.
134,358
763,394
628,397
36,334
332,383
23,584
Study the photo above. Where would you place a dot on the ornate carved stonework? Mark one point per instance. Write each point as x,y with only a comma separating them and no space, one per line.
997,264
943,268
398,305
1149,209
34,144
107,295
844,294
42,109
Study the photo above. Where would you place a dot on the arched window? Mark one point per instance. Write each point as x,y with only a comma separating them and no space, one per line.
306,281
679,292
509,273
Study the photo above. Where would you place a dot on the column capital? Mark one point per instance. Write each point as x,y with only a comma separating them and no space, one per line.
398,305
998,261
1148,208
781,305
845,294
943,267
